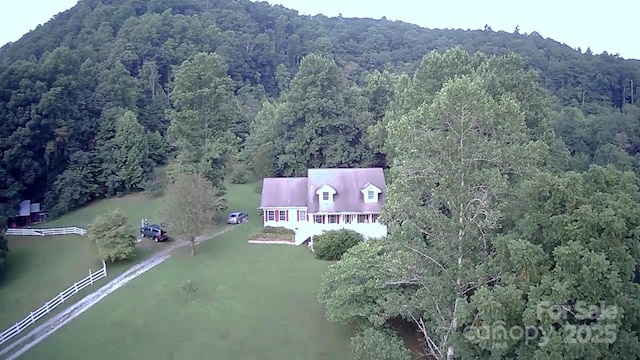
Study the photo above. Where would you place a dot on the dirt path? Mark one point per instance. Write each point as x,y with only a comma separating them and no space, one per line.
26,342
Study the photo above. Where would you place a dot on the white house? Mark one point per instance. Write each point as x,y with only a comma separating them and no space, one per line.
327,199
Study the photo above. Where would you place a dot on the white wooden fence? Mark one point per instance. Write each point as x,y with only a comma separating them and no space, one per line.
52,304
46,232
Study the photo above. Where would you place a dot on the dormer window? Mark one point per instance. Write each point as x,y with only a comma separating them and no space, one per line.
325,194
370,193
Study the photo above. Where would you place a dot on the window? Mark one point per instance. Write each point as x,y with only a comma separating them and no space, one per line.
333,219
303,215
374,217
271,215
325,196
370,195
318,219
283,215
363,218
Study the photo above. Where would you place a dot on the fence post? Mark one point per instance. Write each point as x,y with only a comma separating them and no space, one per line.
61,297
46,305
31,317
104,268
90,277
75,285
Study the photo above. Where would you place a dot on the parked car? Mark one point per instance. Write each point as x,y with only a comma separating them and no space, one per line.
237,218
154,232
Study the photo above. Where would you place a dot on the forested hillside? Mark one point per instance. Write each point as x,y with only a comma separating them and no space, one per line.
79,90
511,160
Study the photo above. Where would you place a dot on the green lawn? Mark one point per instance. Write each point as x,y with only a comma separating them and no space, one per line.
39,268
252,302
135,206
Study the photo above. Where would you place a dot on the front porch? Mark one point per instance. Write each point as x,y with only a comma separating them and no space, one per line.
343,218
307,226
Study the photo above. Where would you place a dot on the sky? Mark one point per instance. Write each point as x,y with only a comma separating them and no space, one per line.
603,26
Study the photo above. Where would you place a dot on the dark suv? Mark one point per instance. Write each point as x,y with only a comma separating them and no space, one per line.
155,232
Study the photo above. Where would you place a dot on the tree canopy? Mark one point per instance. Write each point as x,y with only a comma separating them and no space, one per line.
511,160
65,85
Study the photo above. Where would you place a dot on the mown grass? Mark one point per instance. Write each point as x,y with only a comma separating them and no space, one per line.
135,206
252,302
39,268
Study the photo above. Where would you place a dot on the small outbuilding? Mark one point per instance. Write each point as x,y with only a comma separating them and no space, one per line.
28,214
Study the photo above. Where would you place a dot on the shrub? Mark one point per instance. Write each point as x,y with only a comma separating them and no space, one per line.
273,232
239,175
153,188
113,235
333,244
221,205
277,230
378,344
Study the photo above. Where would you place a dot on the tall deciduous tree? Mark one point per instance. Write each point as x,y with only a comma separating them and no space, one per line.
131,152
75,186
259,150
576,249
451,176
107,168
191,206
502,76
323,121
203,116
113,235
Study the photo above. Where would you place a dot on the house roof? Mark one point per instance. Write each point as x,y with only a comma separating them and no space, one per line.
277,192
25,208
35,208
347,183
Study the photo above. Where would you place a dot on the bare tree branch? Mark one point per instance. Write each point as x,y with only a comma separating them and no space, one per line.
434,351
428,257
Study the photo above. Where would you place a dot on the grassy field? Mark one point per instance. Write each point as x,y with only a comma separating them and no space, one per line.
135,206
252,302
38,268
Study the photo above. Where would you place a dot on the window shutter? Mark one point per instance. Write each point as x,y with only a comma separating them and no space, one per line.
265,214
337,219
277,215
286,215
297,215
307,217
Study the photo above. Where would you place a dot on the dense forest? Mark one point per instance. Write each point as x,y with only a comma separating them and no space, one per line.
511,159
65,85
